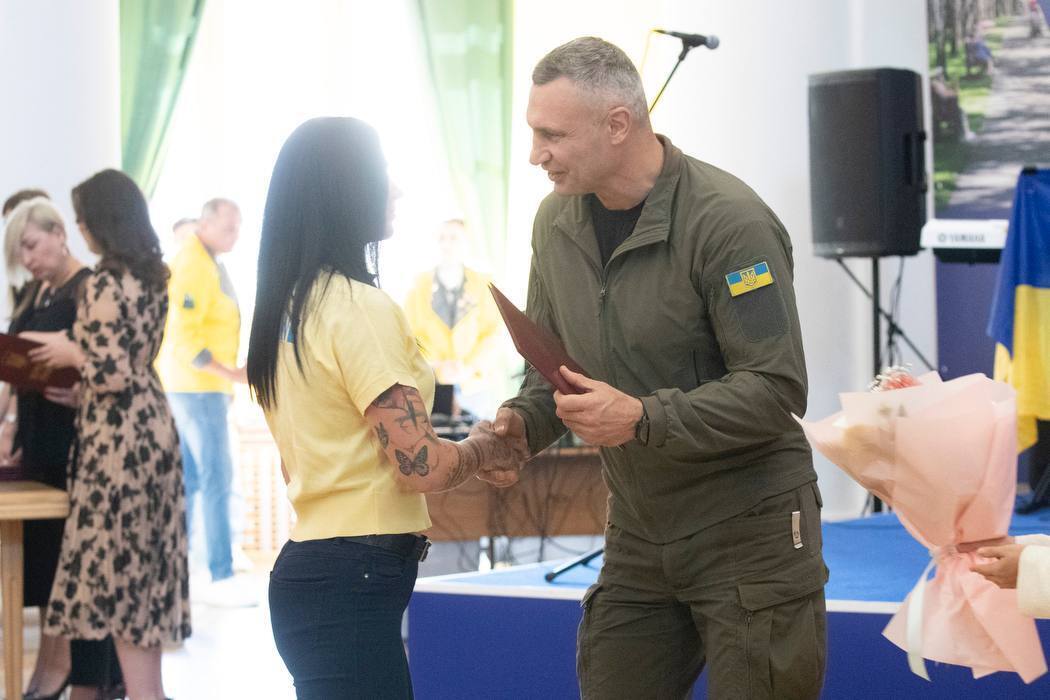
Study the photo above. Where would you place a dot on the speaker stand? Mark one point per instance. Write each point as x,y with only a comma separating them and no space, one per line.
877,314
876,340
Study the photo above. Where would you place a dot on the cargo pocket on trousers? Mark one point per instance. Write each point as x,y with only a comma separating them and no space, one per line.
583,636
784,641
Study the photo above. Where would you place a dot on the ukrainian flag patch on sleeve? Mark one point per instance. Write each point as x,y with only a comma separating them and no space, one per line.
749,279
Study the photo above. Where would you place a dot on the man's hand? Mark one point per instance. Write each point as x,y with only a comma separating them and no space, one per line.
602,415
509,428
503,457
1002,570
233,374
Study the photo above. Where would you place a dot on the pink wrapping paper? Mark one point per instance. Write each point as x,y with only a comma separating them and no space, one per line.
943,455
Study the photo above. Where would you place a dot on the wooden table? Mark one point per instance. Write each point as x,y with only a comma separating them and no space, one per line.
561,492
20,500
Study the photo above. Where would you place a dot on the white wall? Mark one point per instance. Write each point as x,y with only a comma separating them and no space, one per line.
60,80
743,107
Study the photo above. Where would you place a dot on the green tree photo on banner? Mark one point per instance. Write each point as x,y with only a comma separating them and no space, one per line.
469,53
156,40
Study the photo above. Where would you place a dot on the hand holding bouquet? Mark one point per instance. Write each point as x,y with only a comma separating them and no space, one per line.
943,455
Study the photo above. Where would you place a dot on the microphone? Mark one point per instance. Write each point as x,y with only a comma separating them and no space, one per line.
692,40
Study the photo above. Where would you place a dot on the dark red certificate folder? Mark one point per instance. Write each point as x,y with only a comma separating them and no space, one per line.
16,368
537,345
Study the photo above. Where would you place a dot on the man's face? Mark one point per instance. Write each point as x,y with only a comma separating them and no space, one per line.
568,137
451,241
220,231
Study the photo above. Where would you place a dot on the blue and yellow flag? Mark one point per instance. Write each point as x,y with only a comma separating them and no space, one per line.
1020,322
749,279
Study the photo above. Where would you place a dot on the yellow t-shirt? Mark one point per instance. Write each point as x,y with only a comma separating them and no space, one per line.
355,345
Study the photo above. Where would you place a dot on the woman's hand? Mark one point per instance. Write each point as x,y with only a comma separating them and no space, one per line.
69,397
7,439
12,460
56,349
974,546
1002,569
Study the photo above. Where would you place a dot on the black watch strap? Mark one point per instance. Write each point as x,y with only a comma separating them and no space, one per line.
641,428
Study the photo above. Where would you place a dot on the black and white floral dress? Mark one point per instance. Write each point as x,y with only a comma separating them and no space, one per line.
123,566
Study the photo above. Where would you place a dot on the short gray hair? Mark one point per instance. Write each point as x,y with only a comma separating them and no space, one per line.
212,206
599,68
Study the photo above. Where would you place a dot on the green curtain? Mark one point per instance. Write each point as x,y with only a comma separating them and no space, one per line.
469,53
156,39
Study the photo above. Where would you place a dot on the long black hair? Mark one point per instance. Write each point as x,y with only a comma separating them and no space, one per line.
325,211
114,210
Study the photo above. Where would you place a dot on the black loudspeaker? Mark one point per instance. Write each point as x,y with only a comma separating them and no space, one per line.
867,163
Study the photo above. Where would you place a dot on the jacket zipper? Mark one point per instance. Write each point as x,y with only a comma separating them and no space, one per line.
603,334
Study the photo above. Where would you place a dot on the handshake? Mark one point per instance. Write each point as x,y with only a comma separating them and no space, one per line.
503,448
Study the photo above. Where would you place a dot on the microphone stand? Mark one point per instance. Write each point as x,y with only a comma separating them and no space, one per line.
594,553
686,48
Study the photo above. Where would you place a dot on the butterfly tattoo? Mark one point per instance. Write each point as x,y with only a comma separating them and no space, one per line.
383,435
409,466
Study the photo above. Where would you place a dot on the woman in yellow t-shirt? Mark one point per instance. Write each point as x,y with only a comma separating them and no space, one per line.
347,397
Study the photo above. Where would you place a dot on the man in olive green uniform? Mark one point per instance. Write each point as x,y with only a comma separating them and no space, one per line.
670,282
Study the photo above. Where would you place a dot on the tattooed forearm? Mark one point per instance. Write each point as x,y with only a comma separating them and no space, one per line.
407,405
470,457
425,462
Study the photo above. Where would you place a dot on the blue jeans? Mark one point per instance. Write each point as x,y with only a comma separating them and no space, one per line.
207,467
336,607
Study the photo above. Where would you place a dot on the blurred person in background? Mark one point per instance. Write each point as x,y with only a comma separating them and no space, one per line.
455,320
122,570
198,365
17,277
37,433
183,228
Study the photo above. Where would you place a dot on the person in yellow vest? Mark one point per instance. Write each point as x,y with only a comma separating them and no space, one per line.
454,318
198,365
181,229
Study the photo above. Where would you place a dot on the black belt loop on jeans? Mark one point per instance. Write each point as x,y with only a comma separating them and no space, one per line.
413,546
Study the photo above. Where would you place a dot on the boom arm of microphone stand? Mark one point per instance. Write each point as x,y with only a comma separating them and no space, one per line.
686,48
579,561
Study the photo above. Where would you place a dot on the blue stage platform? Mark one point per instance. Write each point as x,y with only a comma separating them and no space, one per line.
509,634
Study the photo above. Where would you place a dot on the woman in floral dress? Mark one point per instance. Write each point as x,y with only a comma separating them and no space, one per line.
123,568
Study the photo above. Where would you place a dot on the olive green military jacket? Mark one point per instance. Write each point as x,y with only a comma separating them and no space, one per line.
695,315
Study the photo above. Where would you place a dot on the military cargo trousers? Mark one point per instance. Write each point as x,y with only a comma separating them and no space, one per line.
744,597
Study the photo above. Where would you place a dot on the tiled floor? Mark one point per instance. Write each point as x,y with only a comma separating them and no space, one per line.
230,655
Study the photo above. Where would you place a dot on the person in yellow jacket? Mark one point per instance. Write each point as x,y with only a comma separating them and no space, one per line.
198,365
454,318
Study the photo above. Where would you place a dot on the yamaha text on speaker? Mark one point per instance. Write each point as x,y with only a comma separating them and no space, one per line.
866,162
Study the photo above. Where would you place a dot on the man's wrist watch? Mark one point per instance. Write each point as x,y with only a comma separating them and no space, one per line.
641,428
